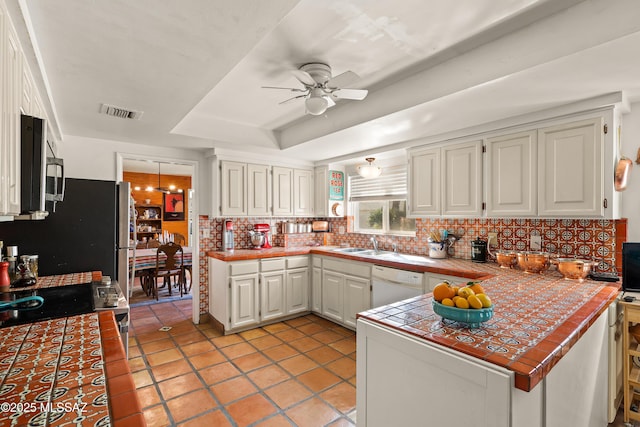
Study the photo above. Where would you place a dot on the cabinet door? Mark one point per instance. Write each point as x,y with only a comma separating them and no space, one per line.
357,298
303,192
245,297
434,279
11,64
27,89
282,191
462,187
511,175
297,290
570,169
424,182
316,290
233,191
258,190
272,296
333,295
321,191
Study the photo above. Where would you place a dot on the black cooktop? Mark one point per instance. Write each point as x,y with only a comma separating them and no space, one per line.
60,301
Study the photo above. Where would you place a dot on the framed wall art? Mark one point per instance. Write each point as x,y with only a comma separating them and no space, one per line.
174,205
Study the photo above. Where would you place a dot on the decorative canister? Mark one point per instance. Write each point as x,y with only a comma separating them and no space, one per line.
438,250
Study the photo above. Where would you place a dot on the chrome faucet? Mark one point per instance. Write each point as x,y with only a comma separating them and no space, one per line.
395,247
375,244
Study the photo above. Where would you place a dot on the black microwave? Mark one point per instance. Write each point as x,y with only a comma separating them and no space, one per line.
41,176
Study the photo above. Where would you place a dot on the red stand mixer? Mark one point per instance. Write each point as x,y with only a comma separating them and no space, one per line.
260,236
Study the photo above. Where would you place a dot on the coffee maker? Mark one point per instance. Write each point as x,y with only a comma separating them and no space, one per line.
261,236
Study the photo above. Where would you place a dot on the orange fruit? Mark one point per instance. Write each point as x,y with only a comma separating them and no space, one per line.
442,290
474,301
448,302
455,289
485,300
462,303
465,292
476,287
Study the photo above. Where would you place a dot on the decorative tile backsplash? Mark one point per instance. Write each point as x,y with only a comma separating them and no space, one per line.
600,240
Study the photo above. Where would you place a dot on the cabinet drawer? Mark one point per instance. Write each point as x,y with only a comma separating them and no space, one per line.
272,264
297,262
317,261
243,267
352,268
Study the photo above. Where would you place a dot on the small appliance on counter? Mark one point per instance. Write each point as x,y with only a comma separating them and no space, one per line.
479,250
260,236
227,235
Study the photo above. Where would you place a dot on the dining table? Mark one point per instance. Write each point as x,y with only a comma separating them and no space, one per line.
143,261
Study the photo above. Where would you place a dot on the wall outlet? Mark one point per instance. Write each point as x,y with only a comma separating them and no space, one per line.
536,242
493,239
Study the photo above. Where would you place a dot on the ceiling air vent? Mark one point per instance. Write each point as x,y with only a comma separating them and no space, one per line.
112,110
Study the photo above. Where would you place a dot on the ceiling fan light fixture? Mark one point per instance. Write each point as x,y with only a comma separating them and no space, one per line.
316,105
369,170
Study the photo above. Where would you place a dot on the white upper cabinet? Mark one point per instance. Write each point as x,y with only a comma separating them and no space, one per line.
512,174
258,190
321,191
424,182
570,169
282,191
303,199
462,186
233,188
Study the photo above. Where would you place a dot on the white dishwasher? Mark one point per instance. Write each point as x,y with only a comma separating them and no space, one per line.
391,285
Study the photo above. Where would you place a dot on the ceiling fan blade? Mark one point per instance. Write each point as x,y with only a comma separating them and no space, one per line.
330,101
292,89
292,99
304,77
356,94
342,80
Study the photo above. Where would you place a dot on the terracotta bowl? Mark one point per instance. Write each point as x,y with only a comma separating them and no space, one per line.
506,259
574,269
533,262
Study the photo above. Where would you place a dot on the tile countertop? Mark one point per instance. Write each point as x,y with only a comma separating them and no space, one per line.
537,317
64,280
68,370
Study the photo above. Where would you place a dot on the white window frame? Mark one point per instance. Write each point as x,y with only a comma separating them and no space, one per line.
385,219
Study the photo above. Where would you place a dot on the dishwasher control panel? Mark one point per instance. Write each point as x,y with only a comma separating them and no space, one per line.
396,275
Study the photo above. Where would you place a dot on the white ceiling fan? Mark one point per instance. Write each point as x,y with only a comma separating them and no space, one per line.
320,89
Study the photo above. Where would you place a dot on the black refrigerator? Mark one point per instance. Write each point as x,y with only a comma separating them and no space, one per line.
89,231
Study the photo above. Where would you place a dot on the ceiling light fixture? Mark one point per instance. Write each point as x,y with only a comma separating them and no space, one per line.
159,188
316,103
369,170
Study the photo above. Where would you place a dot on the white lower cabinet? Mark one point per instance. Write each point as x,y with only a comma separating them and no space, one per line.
244,301
316,284
357,298
346,290
297,290
433,279
272,295
333,295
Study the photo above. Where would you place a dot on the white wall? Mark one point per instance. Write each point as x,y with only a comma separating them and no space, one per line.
89,158
631,196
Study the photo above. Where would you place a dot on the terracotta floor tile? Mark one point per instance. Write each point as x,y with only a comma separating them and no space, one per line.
171,369
327,337
324,354
345,346
142,379
287,393
237,350
298,364
156,416
134,351
190,338
227,340
252,334
217,373
214,419
209,358
136,364
151,336
251,361
190,405
251,409
318,379
352,381
289,335
342,397
233,389
276,327
305,344
212,333
148,396
179,385
280,352
312,413
268,376
197,348
344,367
341,422
298,321
275,421
163,357
265,342
158,345
311,328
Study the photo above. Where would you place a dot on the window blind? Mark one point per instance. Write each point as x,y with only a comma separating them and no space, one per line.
391,184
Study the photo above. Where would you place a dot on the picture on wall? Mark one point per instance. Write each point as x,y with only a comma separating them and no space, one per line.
173,206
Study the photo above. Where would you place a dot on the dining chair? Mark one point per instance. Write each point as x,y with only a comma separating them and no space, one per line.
153,243
172,266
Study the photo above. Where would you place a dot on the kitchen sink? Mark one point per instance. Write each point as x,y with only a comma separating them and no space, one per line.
352,250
